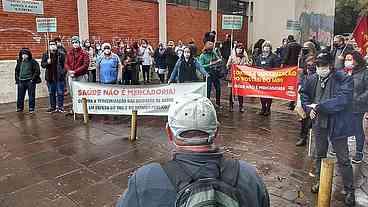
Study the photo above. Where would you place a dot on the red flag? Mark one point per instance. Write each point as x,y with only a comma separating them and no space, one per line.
361,34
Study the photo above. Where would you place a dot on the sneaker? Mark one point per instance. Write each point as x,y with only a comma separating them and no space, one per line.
350,199
31,112
242,110
19,110
358,158
50,110
60,110
301,143
315,188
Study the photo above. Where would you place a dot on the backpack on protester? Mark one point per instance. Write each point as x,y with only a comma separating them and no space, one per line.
205,192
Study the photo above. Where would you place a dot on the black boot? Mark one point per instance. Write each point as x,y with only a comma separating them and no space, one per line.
350,199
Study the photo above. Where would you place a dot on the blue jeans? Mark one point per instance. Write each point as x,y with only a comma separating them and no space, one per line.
56,89
217,85
23,87
359,131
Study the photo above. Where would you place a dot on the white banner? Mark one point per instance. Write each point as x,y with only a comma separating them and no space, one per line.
122,100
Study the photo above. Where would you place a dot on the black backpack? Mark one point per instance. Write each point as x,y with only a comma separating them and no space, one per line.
205,192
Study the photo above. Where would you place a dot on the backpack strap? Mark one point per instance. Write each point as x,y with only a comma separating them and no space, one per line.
230,171
177,174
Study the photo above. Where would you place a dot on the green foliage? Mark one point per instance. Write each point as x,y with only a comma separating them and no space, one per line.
347,14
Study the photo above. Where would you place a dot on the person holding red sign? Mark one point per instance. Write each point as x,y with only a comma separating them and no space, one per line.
240,58
266,60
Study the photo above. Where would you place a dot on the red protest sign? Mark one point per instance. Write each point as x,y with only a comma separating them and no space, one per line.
254,82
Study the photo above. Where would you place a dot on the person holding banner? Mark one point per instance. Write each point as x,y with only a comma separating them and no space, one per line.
76,64
211,63
109,67
186,68
359,72
54,61
266,60
327,97
241,58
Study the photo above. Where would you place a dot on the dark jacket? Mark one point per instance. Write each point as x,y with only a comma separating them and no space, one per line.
150,186
292,54
171,57
226,49
268,62
35,67
77,60
360,101
337,108
160,59
59,74
187,71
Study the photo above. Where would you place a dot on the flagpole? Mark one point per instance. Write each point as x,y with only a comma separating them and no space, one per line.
352,34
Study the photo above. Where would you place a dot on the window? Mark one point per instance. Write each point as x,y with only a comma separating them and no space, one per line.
199,4
237,7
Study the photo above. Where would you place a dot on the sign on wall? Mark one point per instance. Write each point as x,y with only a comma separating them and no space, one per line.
293,25
46,24
23,6
234,22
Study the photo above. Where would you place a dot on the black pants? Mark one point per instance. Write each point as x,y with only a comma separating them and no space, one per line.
266,104
342,153
25,86
305,126
128,77
162,77
92,76
146,72
231,100
217,84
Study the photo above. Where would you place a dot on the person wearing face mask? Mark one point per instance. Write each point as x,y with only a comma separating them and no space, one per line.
308,69
281,51
59,44
339,47
145,53
327,97
356,65
109,67
76,64
210,61
172,58
266,60
98,51
53,61
92,60
241,58
130,62
27,75
160,59
186,68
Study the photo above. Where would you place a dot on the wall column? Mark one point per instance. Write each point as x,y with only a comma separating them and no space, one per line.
162,24
83,19
213,9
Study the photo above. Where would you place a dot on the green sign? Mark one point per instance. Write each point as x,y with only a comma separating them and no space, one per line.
234,22
46,24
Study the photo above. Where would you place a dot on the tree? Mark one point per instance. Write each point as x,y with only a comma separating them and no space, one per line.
347,14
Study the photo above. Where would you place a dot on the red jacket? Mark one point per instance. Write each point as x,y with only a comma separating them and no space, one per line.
77,60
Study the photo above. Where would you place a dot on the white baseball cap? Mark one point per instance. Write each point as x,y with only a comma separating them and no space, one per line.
193,112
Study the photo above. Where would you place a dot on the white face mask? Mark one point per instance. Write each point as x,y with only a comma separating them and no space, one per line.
24,56
180,53
75,45
186,55
239,51
349,64
107,51
266,49
323,71
98,47
53,47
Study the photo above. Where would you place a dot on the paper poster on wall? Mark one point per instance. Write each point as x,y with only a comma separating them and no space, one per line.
46,24
23,6
234,22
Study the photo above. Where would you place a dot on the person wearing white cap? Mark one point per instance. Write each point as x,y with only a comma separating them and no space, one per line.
198,174
109,67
